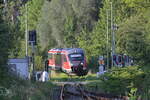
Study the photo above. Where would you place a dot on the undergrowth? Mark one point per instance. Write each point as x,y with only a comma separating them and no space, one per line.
18,89
131,81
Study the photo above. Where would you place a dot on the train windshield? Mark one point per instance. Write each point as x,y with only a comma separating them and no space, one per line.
76,57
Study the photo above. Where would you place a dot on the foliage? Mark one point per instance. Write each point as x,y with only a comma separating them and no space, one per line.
39,63
133,38
93,42
82,23
5,44
122,80
132,81
64,19
145,90
31,10
132,94
69,32
137,3
23,89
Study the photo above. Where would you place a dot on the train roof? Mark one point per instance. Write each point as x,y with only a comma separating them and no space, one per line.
68,50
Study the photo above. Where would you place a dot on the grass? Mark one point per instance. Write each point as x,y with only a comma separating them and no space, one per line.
25,89
93,83
60,77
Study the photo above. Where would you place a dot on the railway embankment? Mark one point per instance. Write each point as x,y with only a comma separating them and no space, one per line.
64,87
79,91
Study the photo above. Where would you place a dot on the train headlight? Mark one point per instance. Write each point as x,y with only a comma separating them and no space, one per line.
81,63
71,64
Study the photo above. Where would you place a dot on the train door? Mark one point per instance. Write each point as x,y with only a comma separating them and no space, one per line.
65,63
51,62
58,61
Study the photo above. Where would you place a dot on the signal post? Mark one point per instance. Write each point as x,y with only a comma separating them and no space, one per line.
32,43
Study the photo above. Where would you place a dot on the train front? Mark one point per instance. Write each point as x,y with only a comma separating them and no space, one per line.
78,63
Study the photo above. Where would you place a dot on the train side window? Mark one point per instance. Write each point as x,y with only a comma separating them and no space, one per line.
49,56
119,59
58,59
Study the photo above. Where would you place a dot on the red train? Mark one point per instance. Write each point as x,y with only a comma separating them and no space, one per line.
69,60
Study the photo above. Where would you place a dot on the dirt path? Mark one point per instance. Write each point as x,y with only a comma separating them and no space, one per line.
70,83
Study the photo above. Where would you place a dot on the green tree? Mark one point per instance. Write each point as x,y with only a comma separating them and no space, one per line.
32,11
133,38
11,13
69,33
84,41
94,42
5,44
57,14
121,80
29,11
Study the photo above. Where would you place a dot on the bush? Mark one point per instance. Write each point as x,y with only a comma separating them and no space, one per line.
121,80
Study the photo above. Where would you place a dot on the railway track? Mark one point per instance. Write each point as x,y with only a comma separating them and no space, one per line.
77,92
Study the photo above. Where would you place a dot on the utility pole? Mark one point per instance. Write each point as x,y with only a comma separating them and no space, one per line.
112,34
113,27
113,41
26,36
107,32
5,9
5,3
32,43
26,29
33,54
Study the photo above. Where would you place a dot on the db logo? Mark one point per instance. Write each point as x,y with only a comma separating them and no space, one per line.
4,91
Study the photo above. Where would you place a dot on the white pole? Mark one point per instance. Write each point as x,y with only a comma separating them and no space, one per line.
26,30
5,3
112,47
114,39
5,7
107,41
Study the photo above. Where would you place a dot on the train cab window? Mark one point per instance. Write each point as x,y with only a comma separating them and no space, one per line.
76,57
64,58
50,56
